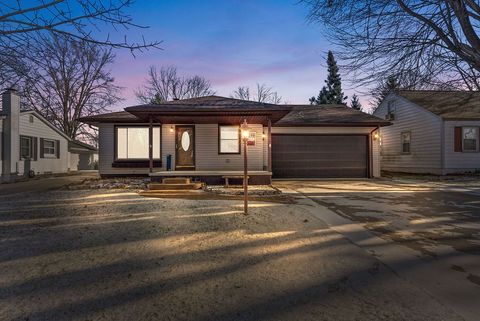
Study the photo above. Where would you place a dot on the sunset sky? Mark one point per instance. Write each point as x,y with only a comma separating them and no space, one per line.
231,43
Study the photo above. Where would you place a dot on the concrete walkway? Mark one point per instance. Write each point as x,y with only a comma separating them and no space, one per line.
46,183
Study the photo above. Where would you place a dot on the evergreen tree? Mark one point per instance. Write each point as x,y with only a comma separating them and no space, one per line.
355,103
331,93
383,89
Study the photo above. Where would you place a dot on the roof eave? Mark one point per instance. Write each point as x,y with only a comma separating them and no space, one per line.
375,124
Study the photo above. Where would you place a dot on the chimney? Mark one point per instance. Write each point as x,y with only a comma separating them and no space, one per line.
10,131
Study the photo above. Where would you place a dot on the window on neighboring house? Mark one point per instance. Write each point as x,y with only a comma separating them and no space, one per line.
26,147
132,143
49,148
470,139
406,139
229,139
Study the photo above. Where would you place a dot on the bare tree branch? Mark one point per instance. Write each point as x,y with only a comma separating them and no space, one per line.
71,81
73,18
264,94
425,44
165,84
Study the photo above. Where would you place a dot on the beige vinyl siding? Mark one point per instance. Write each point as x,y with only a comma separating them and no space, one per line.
375,154
426,138
41,130
338,131
459,162
106,153
265,148
206,150
168,144
208,158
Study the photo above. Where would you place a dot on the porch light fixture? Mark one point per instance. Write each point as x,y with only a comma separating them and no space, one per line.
171,129
245,135
376,136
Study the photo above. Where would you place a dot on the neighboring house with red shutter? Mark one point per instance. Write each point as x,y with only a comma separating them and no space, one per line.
28,135
434,132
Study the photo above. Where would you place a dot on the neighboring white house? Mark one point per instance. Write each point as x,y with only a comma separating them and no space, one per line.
28,135
434,132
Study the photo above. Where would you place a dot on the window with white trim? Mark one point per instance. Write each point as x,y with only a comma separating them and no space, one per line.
132,142
470,139
26,147
406,139
49,148
229,139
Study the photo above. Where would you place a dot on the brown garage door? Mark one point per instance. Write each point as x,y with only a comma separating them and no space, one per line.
319,156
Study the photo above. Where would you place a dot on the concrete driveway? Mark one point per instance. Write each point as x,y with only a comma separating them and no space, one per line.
427,231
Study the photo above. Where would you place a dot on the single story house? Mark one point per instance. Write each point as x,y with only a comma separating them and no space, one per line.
434,132
200,138
82,156
25,134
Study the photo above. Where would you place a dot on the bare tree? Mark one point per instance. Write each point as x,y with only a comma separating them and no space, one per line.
69,79
425,43
165,84
264,94
77,19
242,92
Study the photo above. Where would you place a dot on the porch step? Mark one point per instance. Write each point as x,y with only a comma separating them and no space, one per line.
172,186
176,180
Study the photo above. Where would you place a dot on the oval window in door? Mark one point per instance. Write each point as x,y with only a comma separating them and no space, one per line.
185,140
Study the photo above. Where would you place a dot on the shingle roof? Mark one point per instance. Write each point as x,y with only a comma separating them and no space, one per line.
75,144
206,102
116,117
300,115
311,115
446,104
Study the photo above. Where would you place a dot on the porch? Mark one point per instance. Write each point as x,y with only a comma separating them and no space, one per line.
215,177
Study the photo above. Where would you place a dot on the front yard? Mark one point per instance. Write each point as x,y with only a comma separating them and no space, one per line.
114,255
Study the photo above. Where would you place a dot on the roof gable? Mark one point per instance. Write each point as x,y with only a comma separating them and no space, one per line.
45,121
446,104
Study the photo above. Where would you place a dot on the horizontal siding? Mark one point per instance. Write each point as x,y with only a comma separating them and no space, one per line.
208,158
375,154
456,162
426,132
206,149
41,130
106,153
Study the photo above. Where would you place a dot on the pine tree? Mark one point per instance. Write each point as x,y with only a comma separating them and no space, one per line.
331,93
383,89
355,103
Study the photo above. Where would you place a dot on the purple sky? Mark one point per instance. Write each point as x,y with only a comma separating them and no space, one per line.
231,43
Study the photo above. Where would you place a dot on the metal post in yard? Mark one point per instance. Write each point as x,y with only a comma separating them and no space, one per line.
150,146
245,136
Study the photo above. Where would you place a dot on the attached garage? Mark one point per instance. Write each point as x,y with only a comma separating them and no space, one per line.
329,141
319,156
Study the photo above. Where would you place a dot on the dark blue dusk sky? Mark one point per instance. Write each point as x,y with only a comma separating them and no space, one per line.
231,43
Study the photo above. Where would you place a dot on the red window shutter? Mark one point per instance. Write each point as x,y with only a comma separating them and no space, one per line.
458,139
